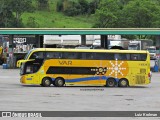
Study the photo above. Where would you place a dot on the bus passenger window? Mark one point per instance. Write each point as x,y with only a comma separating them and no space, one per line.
143,57
110,56
55,55
90,56
117,57
134,56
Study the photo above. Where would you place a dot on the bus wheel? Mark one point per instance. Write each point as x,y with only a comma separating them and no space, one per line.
59,82
111,82
46,82
123,82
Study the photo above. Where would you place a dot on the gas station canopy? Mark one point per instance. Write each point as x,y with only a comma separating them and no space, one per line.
80,31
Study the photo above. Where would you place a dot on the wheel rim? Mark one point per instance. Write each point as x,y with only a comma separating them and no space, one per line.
111,83
60,82
124,83
47,82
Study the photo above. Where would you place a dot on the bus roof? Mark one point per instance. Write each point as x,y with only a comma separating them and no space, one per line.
91,50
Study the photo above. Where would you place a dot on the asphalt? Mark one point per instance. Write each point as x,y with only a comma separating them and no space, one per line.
17,97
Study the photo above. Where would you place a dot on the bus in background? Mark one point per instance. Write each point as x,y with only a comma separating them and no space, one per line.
61,67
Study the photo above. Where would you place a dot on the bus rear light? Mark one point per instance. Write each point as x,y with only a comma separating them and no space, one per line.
149,74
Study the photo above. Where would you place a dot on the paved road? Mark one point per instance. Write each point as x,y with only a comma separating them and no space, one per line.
17,97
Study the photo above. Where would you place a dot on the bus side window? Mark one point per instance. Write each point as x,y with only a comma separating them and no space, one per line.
83,56
117,56
134,57
143,57
90,56
110,56
100,56
54,55
70,55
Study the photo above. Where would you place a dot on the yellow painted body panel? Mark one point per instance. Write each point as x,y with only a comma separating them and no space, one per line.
1,50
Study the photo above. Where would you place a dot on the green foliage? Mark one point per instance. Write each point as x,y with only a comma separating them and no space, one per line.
7,19
59,6
80,13
46,19
141,14
93,5
31,23
43,4
79,7
128,13
11,12
106,14
19,7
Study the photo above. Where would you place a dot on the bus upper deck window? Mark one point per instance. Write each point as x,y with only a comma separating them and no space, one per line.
135,57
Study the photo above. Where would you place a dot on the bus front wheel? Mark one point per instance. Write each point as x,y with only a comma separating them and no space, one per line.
59,82
46,82
123,82
111,82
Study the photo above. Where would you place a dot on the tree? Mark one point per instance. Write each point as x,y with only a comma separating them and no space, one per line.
59,6
93,5
19,7
140,14
7,19
84,6
107,14
43,4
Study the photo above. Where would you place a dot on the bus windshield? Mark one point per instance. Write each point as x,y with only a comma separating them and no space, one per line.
27,55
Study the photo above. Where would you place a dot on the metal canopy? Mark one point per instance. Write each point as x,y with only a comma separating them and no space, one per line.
80,31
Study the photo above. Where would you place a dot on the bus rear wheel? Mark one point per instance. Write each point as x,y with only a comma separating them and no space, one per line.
111,82
59,82
46,82
123,82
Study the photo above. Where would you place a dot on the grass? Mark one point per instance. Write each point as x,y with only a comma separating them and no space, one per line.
53,19
58,20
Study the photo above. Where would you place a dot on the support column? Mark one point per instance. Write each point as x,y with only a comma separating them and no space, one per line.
83,39
158,43
10,43
37,38
10,56
104,41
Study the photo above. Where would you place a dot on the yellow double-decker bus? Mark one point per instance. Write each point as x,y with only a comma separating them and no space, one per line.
46,66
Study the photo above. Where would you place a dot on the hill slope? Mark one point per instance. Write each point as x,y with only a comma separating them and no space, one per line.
53,19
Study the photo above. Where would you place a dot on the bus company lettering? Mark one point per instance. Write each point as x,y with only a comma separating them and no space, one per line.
65,62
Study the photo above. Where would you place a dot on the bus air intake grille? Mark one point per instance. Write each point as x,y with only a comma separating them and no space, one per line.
140,79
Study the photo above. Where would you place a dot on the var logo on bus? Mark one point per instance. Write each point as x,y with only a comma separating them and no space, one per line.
65,62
